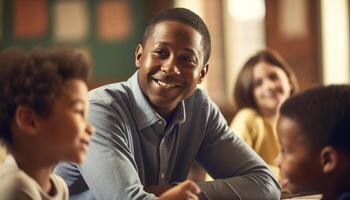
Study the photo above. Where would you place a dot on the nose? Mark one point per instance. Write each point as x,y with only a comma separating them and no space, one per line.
89,129
269,84
278,160
170,66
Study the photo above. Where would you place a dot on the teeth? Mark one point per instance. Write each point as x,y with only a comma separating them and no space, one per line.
163,84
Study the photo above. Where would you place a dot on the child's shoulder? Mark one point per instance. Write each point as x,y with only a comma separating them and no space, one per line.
14,183
60,186
344,196
246,117
248,113
9,168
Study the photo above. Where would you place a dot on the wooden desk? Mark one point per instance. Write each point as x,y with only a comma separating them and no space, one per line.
301,196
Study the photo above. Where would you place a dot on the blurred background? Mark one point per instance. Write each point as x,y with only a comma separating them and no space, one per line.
312,35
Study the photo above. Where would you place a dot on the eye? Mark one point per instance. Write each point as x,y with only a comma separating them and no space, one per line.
282,151
273,77
288,150
79,109
80,112
161,53
258,83
189,60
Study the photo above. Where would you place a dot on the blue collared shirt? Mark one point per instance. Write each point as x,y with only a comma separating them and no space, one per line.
134,147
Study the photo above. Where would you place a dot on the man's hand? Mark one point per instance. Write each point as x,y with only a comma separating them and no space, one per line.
185,190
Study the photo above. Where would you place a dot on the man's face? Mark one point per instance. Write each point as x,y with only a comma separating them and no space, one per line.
170,64
300,167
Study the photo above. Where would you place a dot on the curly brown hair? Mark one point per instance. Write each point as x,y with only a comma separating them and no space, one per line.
35,80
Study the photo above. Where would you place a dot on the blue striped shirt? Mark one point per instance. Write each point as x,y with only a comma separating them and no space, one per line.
134,147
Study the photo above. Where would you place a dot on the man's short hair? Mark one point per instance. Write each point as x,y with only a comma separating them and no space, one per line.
184,16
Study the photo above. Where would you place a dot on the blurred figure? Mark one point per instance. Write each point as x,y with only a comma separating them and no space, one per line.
314,133
43,106
262,85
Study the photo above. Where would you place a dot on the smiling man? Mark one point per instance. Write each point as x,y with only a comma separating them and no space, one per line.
150,128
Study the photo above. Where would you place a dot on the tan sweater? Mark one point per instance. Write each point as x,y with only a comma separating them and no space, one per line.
16,184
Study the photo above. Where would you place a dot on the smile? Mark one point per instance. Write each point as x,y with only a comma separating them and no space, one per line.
85,142
165,84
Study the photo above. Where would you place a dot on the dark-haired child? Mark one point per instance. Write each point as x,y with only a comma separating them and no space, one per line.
314,133
43,119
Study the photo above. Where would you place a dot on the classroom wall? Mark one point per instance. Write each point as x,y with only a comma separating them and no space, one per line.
106,31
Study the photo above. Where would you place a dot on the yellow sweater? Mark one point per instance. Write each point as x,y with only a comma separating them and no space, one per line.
259,134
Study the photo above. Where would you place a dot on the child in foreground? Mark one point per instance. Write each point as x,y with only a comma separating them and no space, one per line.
314,133
43,106
43,120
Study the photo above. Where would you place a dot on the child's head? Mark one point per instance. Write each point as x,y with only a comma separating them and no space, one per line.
264,82
314,132
173,58
43,102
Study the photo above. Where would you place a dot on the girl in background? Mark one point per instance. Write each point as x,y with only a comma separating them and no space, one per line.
262,85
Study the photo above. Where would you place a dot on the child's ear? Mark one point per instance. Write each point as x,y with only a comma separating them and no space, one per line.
25,119
204,72
138,55
329,159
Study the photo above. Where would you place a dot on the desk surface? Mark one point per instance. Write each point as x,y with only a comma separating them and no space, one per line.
301,197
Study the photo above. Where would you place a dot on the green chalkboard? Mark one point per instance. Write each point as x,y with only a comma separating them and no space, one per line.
112,60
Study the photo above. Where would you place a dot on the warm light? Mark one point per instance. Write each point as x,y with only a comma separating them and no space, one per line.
247,10
194,5
335,41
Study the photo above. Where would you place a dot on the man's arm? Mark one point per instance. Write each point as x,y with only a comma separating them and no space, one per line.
239,172
183,191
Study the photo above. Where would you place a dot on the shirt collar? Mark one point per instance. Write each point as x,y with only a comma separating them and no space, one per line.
144,114
10,160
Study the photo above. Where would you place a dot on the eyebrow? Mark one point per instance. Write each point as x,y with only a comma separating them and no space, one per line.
168,44
77,100
191,51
